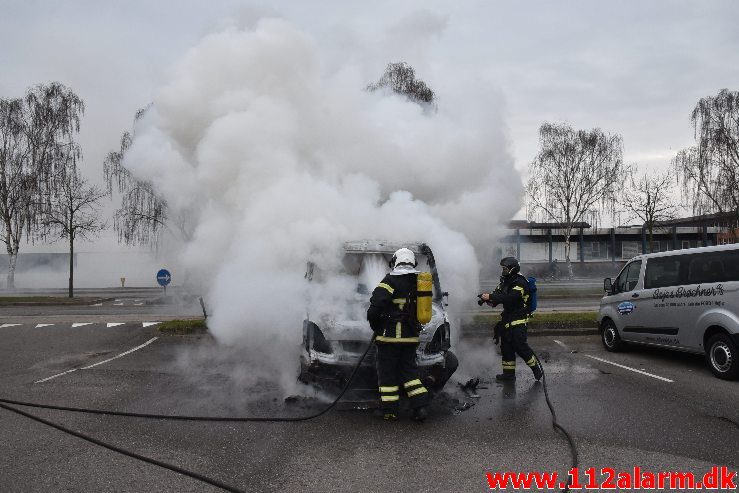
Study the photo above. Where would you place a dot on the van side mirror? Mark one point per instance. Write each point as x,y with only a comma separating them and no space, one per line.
607,285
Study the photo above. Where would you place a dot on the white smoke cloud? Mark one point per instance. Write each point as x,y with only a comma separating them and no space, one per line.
279,155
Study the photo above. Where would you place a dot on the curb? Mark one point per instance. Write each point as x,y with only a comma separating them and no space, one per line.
56,303
567,331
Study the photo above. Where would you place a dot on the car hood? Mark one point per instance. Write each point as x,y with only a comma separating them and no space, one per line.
359,330
346,330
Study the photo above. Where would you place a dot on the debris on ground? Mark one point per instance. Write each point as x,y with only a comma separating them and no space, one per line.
470,388
463,407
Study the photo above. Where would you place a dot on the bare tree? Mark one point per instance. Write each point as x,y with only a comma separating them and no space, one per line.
576,175
37,152
709,171
401,79
143,214
73,214
648,198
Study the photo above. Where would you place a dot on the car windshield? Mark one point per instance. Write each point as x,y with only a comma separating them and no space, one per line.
370,268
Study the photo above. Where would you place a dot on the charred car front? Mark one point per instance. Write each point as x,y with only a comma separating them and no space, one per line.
334,344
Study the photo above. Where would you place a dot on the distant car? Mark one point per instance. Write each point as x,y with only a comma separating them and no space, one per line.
333,346
682,299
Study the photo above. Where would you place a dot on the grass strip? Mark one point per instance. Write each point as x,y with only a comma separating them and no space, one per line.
545,320
183,327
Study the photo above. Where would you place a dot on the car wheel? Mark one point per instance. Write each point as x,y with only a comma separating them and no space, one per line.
722,357
609,336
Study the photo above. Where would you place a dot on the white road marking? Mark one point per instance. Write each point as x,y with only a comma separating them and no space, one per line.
114,324
57,375
629,368
117,304
137,304
97,304
8,325
562,344
80,324
38,326
121,355
149,324
99,362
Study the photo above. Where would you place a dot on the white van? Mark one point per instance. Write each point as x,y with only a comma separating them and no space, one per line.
683,299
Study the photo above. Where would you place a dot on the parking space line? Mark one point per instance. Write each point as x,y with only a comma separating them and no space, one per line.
121,355
629,368
57,375
100,362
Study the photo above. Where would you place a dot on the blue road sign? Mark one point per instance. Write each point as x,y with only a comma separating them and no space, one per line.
164,277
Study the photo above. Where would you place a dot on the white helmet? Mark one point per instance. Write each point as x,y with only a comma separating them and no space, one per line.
403,256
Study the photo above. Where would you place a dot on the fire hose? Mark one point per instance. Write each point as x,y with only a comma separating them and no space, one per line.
205,479
214,482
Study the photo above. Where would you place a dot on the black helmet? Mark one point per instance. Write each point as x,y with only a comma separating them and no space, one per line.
511,263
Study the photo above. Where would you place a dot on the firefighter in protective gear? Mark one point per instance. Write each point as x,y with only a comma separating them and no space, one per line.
513,293
392,316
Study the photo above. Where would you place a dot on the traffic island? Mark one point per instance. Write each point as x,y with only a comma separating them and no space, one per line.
183,327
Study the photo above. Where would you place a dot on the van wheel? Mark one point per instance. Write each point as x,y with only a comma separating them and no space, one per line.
609,335
722,357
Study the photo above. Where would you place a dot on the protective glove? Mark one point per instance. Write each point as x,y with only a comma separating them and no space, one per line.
481,302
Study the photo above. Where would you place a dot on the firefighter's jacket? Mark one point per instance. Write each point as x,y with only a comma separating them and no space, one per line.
392,310
513,293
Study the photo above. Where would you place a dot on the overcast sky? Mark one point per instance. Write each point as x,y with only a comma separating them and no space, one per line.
630,67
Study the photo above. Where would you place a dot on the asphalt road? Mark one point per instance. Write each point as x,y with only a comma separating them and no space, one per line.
617,416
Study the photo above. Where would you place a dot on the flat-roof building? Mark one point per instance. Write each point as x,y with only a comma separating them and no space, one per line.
594,251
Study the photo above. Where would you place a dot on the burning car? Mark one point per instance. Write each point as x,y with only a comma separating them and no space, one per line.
333,344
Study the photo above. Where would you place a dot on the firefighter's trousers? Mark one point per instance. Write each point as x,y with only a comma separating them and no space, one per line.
512,342
397,370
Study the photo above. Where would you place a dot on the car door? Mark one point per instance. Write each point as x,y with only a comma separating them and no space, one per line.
665,315
630,302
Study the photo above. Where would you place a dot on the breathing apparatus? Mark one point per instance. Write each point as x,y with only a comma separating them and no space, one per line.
424,285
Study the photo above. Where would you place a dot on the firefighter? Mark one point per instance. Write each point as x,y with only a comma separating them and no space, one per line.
392,316
513,293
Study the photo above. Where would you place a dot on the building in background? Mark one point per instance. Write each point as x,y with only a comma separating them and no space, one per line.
595,252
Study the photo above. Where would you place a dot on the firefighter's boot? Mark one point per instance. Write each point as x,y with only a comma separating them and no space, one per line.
506,376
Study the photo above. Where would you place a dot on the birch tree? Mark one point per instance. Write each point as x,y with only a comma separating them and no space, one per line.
709,170
37,151
143,214
576,175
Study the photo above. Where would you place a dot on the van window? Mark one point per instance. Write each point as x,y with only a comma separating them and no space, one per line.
629,277
662,272
713,267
